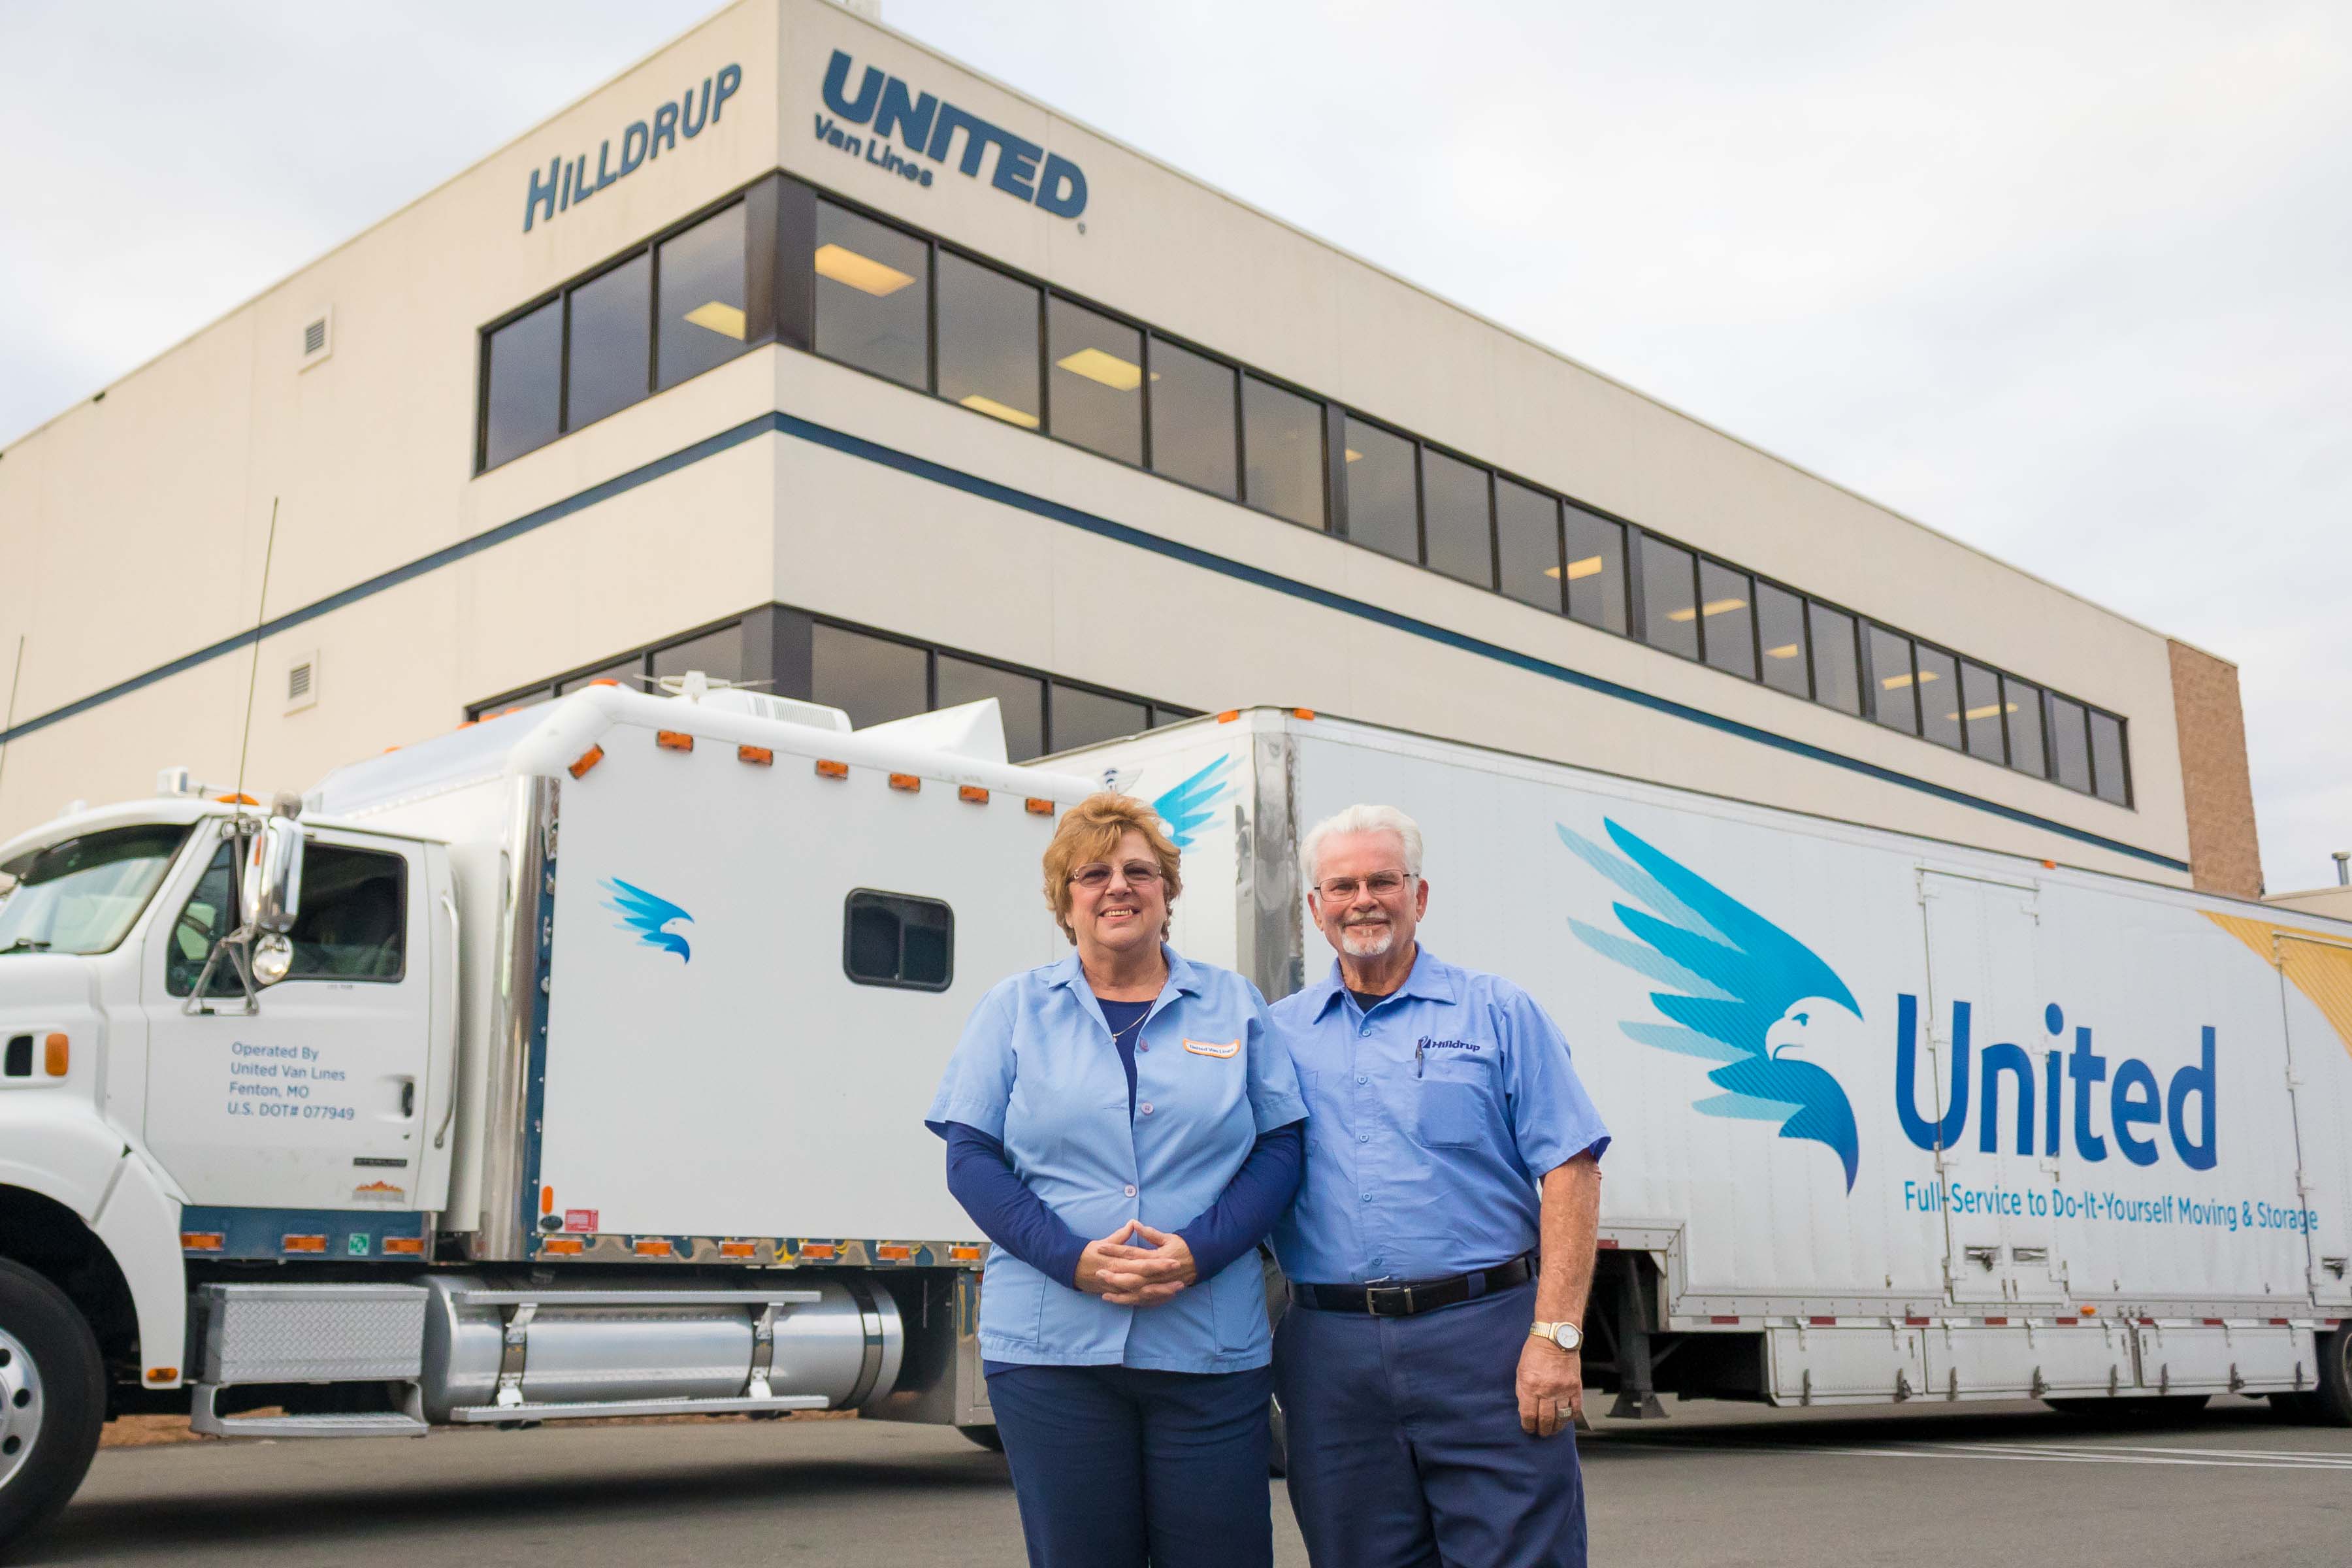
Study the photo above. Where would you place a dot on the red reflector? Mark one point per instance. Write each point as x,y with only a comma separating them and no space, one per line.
203,1241
758,756
963,1254
1605,1244
1040,807
907,782
973,793
1725,1318
817,1249
739,1249
560,1247
1996,1322
2278,1322
586,760
2213,1322
2062,1323
654,1247
302,1244
1916,1322
1822,1322
894,1252
673,741
403,1246
832,770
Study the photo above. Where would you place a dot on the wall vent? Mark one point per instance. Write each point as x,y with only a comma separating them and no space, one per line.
302,681
319,339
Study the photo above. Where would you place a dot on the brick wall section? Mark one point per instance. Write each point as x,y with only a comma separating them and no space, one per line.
2224,856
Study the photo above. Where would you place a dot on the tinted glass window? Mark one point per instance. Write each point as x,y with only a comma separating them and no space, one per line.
1380,506
1098,381
2070,744
1596,568
873,296
525,370
1282,446
623,673
1527,535
1891,687
2108,767
896,940
1194,434
1780,636
1729,616
1021,697
872,679
1081,718
702,297
988,342
612,330
1980,711
718,654
1669,608
354,915
2024,705
1837,681
1453,498
1939,697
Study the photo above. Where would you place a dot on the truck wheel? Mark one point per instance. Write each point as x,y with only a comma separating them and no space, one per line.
52,1400
988,1438
2334,1395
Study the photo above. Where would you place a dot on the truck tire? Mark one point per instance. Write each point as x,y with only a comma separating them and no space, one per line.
2333,1397
52,1401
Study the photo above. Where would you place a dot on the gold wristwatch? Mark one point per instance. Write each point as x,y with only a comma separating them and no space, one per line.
1567,1336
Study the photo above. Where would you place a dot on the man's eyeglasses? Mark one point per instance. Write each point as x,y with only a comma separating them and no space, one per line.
1382,883
1093,879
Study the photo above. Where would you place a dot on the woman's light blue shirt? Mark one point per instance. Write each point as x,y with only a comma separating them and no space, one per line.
1037,1069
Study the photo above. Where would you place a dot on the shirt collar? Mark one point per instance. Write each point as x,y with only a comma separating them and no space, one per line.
1431,980
1182,977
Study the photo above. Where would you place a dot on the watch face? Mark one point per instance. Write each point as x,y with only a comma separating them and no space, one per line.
1567,1336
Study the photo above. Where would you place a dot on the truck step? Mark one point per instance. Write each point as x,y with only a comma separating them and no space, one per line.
475,1414
380,1423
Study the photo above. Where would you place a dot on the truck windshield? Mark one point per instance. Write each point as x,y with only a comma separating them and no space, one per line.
82,896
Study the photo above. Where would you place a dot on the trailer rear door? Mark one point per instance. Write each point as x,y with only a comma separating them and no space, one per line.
2317,981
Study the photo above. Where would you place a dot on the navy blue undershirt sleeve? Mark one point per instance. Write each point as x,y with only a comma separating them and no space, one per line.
1122,1017
981,1178
1246,1211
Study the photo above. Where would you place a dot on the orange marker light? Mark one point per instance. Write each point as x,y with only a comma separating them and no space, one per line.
739,1249
817,1249
1229,715
587,759
163,1374
963,1254
1304,712
203,1241
758,756
673,741
547,1200
56,1055
2050,865
654,1247
600,681
2090,1312
403,1246
827,769
302,1244
1040,807
894,1252
973,793
907,782
553,1246
249,800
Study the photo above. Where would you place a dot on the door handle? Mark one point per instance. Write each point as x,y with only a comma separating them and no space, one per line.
1984,1257
456,1004
407,1097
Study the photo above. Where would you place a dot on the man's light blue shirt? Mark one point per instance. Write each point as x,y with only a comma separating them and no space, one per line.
1036,1068
1431,1120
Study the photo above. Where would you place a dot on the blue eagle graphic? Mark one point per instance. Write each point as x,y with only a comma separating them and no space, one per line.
1743,992
1188,807
646,914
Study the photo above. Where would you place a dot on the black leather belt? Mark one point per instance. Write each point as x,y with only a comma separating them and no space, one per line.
1403,1298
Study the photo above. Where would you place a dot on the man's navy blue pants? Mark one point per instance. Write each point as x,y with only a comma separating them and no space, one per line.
1114,1467
1405,1447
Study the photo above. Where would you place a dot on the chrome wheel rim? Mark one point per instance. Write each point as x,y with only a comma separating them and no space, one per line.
20,1406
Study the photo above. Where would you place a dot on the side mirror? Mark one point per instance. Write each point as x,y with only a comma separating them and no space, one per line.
270,893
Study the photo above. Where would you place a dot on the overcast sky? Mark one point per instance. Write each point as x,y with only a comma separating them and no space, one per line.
2072,282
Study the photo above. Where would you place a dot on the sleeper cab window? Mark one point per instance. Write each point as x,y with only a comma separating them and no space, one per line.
1193,430
873,297
1458,519
988,342
1096,388
898,940
702,319
1282,453
1596,568
1381,508
522,404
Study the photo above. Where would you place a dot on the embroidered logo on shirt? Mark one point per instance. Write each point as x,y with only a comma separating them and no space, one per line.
1429,1045
1209,1049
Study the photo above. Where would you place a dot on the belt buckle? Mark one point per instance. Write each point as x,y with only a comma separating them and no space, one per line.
1376,1291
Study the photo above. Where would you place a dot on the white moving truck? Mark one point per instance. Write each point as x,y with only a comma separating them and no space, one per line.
572,1063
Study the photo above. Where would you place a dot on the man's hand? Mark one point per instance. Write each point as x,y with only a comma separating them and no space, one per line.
1551,1387
1148,1275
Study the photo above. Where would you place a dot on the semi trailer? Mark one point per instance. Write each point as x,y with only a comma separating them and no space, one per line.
572,1064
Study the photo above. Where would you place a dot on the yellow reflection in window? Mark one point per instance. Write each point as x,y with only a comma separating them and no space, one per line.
863,273
1588,567
1712,607
1107,368
1786,650
720,317
1004,411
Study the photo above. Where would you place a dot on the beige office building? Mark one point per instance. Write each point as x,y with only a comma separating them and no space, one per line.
802,355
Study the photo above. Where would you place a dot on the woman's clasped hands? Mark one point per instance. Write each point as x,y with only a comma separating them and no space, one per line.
1127,1275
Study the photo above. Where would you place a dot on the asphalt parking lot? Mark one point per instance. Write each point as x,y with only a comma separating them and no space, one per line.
1714,1486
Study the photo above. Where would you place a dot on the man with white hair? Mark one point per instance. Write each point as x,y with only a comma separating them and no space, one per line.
1441,1244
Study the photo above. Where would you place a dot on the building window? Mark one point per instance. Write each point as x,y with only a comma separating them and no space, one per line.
2070,744
704,303
1939,696
1727,618
1669,602
1894,687
2109,774
988,342
1381,511
1526,541
873,679
1282,453
898,940
522,404
1780,638
611,344
717,654
1194,433
1021,699
1596,569
1097,391
1837,673
1981,712
1081,718
2022,706
873,297
1457,518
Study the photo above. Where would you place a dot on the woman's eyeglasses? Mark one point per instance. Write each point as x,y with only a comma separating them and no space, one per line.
1093,879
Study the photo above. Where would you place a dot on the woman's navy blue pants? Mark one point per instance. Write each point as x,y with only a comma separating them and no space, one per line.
1115,1466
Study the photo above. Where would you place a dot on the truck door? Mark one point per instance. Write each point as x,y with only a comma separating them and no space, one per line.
2315,978
1983,980
315,1101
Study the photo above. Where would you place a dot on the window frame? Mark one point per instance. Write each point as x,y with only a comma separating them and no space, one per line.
848,905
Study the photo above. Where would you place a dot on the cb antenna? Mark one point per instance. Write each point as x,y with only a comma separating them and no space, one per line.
10,721
253,675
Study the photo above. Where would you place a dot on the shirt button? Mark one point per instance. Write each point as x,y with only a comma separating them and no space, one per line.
1363,1137
1361,1078
1129,1189
1145,1107
1368,1197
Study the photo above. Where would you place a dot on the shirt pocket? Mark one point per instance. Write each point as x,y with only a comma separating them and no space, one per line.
1013,1304
1454,1106
1237,1301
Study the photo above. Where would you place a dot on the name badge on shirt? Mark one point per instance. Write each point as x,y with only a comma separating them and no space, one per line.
1209,1049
